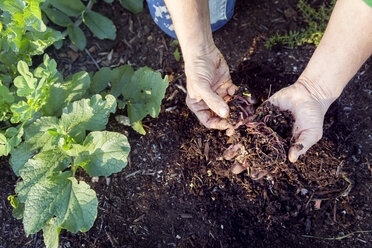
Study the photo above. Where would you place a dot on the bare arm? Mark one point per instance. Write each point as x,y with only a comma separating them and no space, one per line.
192,25
208,76
345,46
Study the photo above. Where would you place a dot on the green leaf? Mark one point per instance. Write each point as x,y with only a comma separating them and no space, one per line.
69,7
119,78
100,80
12,6
57,16
47,69
105,153
18,207
51,233
13,137
87,114
6,99
26,83
82,209
109,1
39,41
58,44
37,137
32,16
37,133
77,36
3,145
177,55
174,43
73,204
20,156
100,25
21,112
144,94
39,168
5,96
61,94
134,6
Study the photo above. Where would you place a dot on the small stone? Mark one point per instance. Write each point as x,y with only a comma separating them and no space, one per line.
123,120
304,191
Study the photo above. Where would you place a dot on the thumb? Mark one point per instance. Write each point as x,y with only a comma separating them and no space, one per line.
305,140
214,102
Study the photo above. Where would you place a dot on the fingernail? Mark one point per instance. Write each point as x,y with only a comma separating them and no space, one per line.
292,156
223,112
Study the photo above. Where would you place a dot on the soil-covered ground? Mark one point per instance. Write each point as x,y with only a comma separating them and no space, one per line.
178,190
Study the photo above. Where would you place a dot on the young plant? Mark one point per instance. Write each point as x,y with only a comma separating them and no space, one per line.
22,104
316,19
71,13
22,35
49,197
141,91
176,53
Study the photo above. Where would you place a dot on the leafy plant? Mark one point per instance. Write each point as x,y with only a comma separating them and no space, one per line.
71,13
140,91
22,35
49,197
176,53
31,89
316,20
51,125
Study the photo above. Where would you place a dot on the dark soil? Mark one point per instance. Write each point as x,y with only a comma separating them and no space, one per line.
178,191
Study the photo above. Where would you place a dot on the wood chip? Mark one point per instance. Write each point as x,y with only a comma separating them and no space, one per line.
317,204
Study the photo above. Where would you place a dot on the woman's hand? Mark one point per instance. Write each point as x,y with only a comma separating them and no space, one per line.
208,86
308,109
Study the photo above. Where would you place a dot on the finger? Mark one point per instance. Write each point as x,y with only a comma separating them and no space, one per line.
237,169
232,151
306,139
230,131
214,102
204,114
225,88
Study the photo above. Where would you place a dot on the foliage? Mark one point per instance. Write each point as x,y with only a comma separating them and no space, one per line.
62,131
23,34
316,19
176,53
31,89
71,13
141,91
51,125
54,117
134,6
49,192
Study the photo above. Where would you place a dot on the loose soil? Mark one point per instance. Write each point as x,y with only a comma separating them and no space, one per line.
178,190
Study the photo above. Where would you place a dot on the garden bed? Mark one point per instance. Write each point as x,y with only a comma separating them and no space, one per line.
178,190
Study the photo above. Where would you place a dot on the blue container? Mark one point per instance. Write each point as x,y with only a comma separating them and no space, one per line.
221,12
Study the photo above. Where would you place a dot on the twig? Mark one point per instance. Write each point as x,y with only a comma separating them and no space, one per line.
268,95
336,238
91,57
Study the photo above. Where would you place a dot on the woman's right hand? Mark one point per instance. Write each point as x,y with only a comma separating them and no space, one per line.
208,85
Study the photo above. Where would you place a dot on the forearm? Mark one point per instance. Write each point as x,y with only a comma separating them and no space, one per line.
192,26
345,46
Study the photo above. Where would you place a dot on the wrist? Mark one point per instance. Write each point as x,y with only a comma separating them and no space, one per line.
317,92
194,50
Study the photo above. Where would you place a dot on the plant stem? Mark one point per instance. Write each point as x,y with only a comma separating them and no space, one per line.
73,167
79,21
337,238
